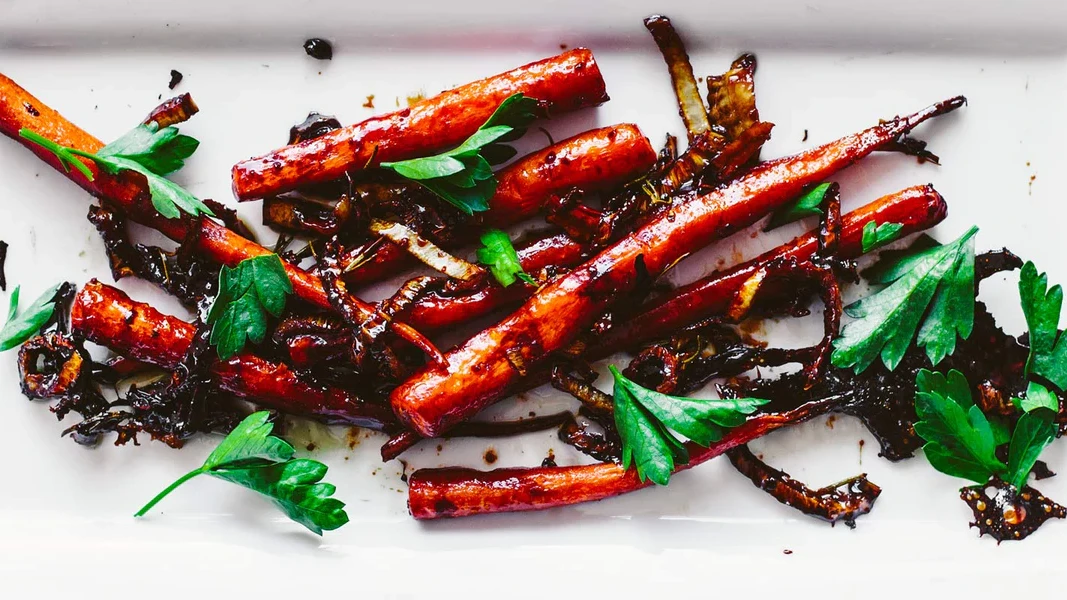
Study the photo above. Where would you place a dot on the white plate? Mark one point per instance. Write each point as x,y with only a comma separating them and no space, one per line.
828,67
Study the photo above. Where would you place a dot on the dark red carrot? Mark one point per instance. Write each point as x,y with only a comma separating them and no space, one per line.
457,492
564,83
107,316
480,370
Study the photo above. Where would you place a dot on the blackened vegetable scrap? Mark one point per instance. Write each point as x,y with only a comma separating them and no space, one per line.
3,265
175,79
318,49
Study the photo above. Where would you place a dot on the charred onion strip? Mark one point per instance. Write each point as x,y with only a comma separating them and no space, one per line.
178,109
480,370
592,160
458,492
566,82
427,252
842,501
127,190
690,104
107,316
732,97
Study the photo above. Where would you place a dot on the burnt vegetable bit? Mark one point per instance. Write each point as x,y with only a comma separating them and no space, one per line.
644,419
146,149
175,79
463,176
843,501
249,456
248,292
1009,513
934,287
318,49
21,326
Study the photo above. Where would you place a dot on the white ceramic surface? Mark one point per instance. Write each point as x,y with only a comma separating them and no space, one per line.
829,67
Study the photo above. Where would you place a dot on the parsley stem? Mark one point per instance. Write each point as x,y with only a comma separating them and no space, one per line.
64,154
170,488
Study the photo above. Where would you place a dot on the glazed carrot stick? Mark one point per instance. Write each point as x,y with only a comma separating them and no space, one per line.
565,82
128,191
458,492
107,316
592,160
480,370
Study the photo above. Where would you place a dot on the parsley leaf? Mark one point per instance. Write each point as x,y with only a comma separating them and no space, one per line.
1048,350
247,293
148,150
959,439
876,236
251,457
1034,431
645,419
937,283
22,326
806,205
463,176
499,255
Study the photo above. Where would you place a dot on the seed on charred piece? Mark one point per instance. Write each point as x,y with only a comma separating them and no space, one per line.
480,370
563,83
128,190
108,316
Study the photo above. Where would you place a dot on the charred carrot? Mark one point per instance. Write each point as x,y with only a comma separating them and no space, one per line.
565,82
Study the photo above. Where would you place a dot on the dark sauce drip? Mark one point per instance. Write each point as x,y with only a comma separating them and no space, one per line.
3,264
318,49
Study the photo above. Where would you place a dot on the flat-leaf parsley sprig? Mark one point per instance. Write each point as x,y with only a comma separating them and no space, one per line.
961,441
645,419
21,326
1041,306
249,456
934,287
464,176
250,291
148,150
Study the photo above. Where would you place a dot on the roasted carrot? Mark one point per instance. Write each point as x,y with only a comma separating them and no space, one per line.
478,371
458,492
107,316
565,82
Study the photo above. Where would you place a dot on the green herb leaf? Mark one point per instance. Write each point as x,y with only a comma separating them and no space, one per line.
21,327
876,236
500,256
463,176
249,456
1034,431
959,439
1041,306
145,150
805,206
645,419
939,280
160,151
250,291
1038,396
